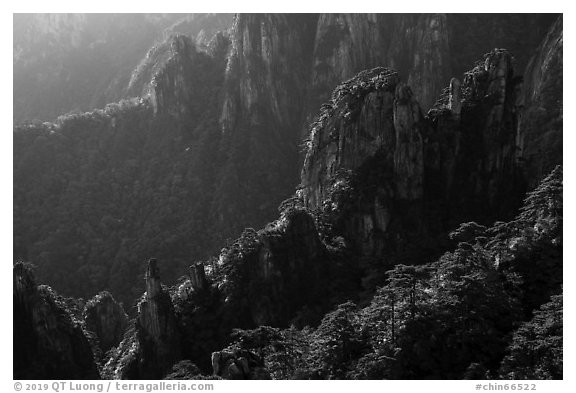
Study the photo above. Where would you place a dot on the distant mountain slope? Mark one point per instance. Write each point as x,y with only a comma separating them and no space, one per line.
97,192
80,62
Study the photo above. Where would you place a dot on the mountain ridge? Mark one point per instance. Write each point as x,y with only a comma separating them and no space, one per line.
383,185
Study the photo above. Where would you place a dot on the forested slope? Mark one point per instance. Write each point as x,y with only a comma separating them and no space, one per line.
422,242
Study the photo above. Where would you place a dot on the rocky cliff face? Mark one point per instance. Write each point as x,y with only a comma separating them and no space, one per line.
266,71
174,56
227,123
415,44
426,49
490,96
172,84
470,35
540,119
271,274
366,114
238,364
262,113
106,319
382,181
372,152
274,277
48,342
277,276
263,105
177,86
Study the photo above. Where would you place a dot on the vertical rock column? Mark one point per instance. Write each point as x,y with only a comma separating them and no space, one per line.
157,328
198,277
455,98
172,85
409,152
500,127
430,58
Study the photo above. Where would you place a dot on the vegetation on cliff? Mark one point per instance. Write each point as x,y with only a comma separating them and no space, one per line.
386,263
465,315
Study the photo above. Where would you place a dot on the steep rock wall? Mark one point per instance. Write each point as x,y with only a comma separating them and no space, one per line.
177,85
227,128
269,275
266,71
426,49
382,169
394,180
405,167
416,45
48,342
367,113
261,115
541,113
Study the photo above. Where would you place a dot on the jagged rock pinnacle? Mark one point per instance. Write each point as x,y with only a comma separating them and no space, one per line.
153,285
455,98
157,327
198,277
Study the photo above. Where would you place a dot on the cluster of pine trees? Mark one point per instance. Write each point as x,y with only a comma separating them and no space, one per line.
492,308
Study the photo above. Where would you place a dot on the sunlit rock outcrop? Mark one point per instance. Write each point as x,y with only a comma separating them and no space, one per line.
107,319
238,364
372,152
